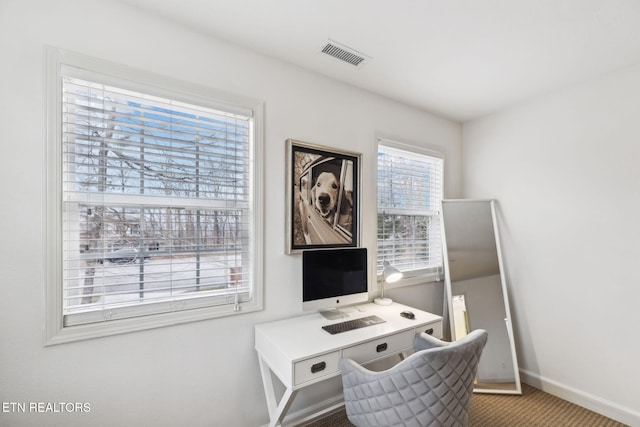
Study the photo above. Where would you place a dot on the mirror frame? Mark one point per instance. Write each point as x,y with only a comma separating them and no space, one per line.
517,389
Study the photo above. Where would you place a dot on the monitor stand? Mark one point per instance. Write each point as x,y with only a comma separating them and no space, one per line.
334,314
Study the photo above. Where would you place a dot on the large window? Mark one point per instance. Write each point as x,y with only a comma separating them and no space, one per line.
409,196
155,199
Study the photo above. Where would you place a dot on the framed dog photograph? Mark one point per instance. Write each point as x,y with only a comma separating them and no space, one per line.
323,197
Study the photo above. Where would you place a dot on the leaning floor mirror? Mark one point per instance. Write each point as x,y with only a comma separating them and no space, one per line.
476,292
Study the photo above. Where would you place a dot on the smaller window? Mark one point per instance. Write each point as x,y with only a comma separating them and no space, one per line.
409,196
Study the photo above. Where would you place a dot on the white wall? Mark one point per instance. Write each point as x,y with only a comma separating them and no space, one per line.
565,170
203,373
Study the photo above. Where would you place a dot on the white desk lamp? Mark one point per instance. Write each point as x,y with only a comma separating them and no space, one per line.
390,274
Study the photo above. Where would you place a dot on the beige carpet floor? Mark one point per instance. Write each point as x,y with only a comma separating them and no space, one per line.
534,408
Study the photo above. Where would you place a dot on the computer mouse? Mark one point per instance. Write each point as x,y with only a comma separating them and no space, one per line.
408,315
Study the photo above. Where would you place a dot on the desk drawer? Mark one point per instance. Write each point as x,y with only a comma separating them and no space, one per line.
315,367
380,347
434,329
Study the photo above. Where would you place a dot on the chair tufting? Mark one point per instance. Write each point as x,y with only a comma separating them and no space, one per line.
432,387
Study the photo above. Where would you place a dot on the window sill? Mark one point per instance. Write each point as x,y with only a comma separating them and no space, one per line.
413,280
67,334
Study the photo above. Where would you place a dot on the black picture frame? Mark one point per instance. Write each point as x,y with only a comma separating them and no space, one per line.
323,197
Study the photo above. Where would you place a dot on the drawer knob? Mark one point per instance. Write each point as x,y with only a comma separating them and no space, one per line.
429,331
318,367
381,347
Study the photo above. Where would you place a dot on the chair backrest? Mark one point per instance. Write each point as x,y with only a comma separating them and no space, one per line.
431,387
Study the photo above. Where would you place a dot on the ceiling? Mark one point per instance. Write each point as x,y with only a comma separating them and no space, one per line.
460,59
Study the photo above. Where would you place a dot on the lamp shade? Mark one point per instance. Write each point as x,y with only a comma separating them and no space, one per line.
390,273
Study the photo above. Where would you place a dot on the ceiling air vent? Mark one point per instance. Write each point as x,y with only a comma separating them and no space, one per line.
345,53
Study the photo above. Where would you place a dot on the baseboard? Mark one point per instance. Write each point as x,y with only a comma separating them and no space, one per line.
586,400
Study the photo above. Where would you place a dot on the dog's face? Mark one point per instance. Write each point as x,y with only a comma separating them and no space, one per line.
325,193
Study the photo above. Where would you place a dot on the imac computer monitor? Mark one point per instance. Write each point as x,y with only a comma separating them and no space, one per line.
333,277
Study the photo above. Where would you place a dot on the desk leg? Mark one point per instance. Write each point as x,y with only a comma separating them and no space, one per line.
277,410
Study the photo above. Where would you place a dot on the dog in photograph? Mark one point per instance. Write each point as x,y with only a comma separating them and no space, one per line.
325,196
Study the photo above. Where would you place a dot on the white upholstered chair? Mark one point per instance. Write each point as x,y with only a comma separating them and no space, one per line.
432,387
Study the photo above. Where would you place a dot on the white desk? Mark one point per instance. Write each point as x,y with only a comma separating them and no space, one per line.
300,353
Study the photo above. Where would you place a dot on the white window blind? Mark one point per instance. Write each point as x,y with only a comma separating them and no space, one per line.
157,203
409,195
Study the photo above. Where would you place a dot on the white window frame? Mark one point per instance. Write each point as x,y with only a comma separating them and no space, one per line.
140,318
414,277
